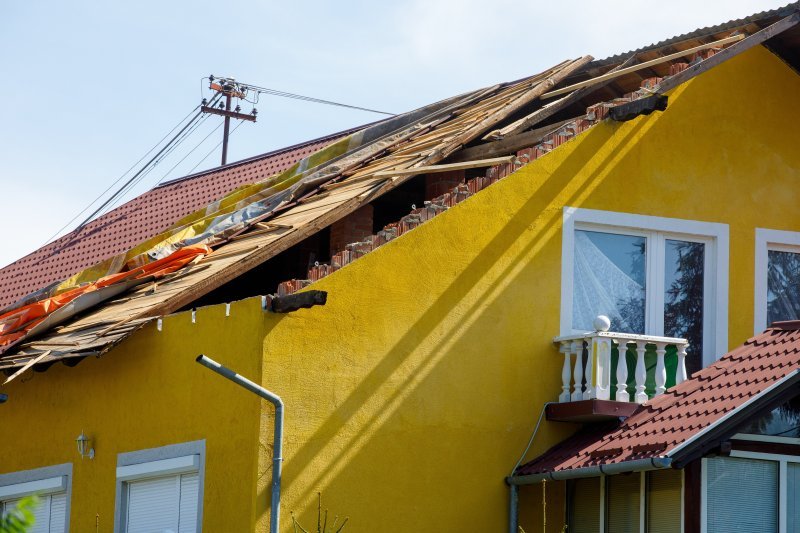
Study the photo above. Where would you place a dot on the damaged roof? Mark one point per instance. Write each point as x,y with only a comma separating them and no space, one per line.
491,121
141,218
691,418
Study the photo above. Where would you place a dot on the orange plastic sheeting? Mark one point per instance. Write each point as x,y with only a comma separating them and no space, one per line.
15,324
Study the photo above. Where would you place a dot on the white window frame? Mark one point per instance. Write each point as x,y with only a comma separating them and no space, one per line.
714,235
768,240
188,457
46,480
782,461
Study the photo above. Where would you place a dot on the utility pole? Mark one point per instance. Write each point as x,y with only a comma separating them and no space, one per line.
230,89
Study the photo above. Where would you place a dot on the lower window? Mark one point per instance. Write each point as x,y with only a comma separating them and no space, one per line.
161,490
50,485
626,503
754,493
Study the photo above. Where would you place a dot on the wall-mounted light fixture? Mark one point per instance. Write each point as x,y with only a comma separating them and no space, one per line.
84,446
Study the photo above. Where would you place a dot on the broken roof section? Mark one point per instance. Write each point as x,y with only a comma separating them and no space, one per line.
691,418
258,222
142,218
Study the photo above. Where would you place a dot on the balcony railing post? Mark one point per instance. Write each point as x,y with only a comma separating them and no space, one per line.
640,373
622,372
589,392
601,351
565,372
680,376
577,391
661,369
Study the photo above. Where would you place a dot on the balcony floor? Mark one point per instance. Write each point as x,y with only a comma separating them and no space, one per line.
590,411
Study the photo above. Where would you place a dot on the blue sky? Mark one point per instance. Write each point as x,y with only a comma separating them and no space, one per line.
91,86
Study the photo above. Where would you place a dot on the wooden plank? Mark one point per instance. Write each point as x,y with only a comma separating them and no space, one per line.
512,107
732,51
634,68
26,366
433,169
508,144
546,112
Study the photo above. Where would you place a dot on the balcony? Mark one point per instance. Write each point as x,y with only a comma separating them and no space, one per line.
594,371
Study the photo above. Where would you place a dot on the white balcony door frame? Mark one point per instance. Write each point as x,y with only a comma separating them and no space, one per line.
766,240
657,230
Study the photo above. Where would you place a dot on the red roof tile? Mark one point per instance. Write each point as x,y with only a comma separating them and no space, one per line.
141,218
658,427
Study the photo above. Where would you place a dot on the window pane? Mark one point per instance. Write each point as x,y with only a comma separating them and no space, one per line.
683,296
742,495
623,497
783,421
783,286
583,501
609,280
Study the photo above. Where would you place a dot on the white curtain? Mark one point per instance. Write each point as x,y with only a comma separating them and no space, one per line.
601,288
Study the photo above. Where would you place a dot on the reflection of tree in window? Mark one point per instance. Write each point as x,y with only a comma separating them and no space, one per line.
783,285
631,309
683,297
783,421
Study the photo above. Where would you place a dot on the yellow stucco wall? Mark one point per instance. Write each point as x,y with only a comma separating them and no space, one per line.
412,392
147,393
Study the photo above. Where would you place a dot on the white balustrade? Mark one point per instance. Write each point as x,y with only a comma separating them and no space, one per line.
593,380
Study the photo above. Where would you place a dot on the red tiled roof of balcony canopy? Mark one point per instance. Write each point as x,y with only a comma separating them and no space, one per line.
141,218
660,426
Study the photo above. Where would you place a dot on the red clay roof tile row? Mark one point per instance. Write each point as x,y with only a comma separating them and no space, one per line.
140,219
668,420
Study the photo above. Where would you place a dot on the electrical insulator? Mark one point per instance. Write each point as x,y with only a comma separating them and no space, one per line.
238,109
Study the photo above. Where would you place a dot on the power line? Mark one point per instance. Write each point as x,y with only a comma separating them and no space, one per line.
191,151
274,92
147,170
125,185
213,149
73,219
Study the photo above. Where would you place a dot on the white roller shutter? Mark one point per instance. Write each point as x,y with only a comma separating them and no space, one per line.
742,495
190,487
163,505
50,515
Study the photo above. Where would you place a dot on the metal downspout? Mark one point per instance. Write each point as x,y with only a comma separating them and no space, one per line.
277,439
513,512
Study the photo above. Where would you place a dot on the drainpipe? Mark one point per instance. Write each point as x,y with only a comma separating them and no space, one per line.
277,439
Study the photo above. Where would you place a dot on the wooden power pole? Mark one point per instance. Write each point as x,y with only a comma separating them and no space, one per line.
228,88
